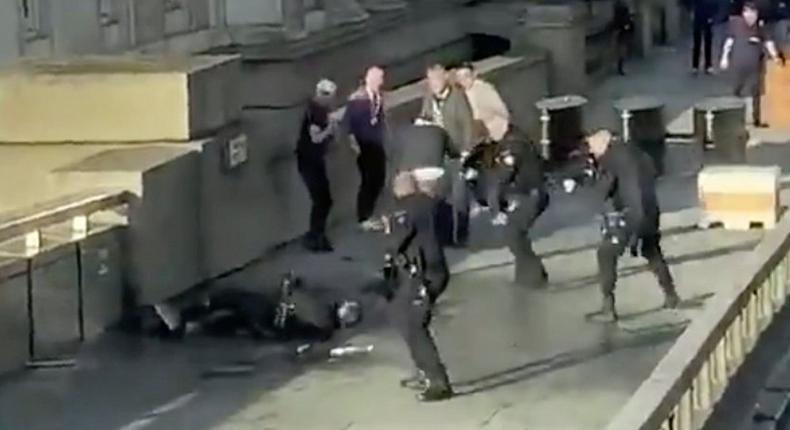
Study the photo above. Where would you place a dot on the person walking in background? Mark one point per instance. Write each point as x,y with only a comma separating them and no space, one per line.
317,132
365,122
623,23
704,14
742,54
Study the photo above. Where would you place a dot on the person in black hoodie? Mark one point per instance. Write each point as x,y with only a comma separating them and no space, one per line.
419,275
627,177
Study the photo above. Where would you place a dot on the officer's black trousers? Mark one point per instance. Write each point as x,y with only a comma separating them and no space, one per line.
437,277
529,268
703,39
650,249
488,189
412,318
372,164
313,172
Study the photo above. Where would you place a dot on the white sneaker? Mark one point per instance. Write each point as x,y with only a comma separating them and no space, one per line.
500,219
372,225
476,210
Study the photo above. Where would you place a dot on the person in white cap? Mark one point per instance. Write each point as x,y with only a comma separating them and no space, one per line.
317,132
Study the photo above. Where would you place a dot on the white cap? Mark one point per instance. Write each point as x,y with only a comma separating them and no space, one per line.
325,87
423,174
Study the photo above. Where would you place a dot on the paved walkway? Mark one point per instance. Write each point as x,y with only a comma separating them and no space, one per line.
519,359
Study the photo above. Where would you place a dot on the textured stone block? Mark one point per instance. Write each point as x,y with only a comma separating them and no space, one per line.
118,99
740,195
163,233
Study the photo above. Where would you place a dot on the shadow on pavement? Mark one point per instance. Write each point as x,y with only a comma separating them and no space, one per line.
560,361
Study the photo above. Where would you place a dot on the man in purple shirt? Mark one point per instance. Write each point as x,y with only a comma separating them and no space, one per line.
365,122
743,53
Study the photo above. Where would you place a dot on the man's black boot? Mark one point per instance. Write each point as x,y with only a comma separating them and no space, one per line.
671,298
608,311
436,392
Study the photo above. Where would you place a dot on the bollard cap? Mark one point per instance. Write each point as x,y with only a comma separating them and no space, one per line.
638,103
569,101
718,104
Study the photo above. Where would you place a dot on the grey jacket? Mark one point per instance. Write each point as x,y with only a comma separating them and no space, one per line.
457,118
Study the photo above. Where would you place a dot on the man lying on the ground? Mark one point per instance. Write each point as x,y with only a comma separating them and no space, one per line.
295,312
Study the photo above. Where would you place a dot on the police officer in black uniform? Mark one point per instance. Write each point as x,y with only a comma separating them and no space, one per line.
422,144
317,132
413,229
627,177
526,192
419,274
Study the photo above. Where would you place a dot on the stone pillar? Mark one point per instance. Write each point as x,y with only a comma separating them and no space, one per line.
294,24
672,14
644,26
383,5
559,29
339,12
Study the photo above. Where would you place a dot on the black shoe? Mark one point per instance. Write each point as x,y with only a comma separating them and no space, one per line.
435,393
760,124
314,243
416,381
671,300
324,245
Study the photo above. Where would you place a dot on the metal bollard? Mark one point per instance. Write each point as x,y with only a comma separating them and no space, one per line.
642,124
561,126
720,124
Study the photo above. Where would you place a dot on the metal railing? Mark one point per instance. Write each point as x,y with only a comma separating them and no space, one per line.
683,389
74,211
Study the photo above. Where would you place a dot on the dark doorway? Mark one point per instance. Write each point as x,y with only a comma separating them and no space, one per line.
485,45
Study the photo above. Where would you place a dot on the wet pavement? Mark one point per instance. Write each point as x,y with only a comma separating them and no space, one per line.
519,359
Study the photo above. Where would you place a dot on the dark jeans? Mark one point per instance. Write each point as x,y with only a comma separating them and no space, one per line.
747,82
703,33
372,164
412,315
650,249
313,172
529,268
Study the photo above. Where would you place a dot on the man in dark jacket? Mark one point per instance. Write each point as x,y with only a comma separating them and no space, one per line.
627,177
316,134
446,105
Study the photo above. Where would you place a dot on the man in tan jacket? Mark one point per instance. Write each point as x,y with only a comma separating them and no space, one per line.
485,101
